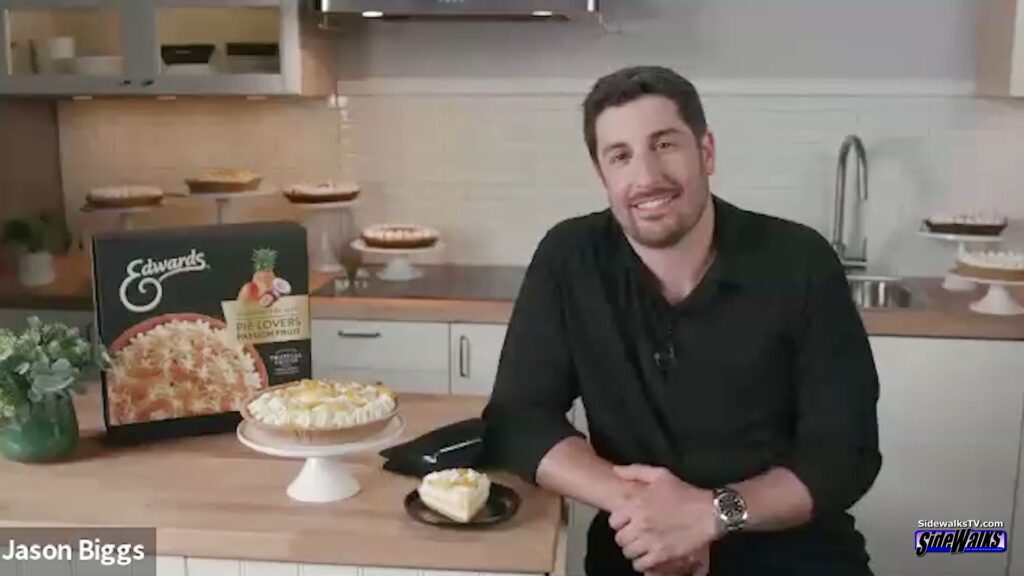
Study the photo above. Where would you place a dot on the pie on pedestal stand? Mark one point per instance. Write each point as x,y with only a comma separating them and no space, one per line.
999,269
321,421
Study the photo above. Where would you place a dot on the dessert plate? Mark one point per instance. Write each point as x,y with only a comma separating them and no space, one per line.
502,504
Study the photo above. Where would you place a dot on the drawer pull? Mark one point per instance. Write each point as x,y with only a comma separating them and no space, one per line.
344,334
463,357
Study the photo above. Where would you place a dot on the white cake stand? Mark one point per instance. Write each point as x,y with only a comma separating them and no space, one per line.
997,300
953,282
324,477
324,257
398,268
125,216
223,200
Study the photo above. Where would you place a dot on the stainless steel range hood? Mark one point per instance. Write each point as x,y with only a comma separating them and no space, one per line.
461,9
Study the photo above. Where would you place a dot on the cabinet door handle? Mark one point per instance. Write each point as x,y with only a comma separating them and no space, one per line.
463,357
344,334
148,82
126,82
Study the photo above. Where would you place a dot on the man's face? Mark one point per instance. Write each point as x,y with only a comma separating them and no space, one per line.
654,170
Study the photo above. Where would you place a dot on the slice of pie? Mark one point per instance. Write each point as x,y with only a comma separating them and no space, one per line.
315,411
399,236
180,365
124,196
322,192
457,493
224,180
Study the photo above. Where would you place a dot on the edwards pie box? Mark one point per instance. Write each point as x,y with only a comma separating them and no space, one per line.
196,320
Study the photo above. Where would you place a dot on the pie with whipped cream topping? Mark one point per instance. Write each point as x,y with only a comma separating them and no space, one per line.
317,411
124,196
1004,265
180,365
322,192
399,236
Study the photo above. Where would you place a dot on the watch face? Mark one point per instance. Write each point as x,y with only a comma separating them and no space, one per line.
731,506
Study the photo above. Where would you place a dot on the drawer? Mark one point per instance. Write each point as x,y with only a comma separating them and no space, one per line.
358,344
419,381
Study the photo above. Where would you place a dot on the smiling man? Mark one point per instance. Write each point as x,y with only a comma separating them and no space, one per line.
728,382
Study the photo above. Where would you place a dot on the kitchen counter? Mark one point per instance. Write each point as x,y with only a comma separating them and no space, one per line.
486,295
211,497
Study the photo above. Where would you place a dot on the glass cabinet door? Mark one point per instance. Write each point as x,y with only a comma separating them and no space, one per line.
55,46
235,46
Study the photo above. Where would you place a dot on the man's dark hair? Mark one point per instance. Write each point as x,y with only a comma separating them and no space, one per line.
629,84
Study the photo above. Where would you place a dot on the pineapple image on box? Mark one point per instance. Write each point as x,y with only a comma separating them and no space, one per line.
265,287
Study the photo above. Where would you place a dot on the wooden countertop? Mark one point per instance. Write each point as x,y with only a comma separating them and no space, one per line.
212,497
941,313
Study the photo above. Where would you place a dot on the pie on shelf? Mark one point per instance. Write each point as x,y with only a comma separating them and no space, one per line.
399,236
322,192
224,180
313,411
970,224
1003,265
179,365
124,196
456,493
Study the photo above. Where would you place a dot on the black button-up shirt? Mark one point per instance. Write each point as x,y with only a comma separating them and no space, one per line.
766,363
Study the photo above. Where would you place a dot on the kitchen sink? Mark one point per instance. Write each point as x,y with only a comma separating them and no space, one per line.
879,292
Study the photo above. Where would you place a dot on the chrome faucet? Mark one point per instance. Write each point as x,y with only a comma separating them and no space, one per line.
838,219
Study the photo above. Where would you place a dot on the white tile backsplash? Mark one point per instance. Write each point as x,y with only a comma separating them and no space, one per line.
493,172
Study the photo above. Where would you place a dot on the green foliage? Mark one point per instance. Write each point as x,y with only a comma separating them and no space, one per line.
264,259
37,234
43,360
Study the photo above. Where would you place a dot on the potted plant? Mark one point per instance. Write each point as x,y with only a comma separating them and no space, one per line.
39,369
38,238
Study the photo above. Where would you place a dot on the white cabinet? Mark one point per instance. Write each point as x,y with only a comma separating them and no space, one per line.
405,356
475,351
428,357
1000,48
137,47
949,431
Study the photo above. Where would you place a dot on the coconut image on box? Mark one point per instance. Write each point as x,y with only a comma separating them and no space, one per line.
196,321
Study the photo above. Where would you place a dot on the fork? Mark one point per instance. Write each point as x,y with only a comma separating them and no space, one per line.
432,458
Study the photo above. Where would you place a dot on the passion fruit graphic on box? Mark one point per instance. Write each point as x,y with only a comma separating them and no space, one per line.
265,288
264,311
180,365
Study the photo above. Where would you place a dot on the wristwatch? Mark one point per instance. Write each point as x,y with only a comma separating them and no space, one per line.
730,508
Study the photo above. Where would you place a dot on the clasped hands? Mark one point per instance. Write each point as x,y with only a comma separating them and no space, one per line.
664,525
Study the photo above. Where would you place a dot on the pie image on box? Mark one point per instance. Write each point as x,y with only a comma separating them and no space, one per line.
312,411
180,365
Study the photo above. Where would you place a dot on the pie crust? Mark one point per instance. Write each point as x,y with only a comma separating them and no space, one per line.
399,236
224,180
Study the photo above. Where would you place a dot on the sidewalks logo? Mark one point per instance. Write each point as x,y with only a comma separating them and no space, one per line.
959,541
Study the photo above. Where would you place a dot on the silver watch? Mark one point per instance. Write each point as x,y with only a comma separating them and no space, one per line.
730,508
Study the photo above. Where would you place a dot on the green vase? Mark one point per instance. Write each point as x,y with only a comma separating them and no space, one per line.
48,434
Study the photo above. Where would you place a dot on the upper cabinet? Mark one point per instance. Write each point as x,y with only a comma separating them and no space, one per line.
1000,48
162,47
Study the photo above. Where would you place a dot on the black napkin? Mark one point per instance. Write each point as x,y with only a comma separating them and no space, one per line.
456,445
